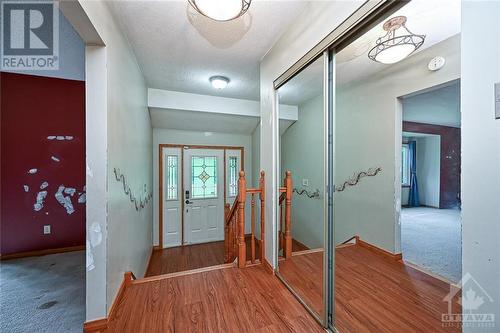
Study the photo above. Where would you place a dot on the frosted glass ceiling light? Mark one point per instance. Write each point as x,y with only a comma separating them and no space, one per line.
392,47
219,82
221,10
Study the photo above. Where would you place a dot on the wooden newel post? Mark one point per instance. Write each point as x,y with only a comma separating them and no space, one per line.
227,210
288,215
242,191
262,185
252,221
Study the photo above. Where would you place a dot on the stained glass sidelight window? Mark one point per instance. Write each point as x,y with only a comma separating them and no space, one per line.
172,165
204,177
233,176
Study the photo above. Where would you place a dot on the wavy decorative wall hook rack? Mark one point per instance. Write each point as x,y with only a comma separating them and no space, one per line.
139,204
310,195
354,180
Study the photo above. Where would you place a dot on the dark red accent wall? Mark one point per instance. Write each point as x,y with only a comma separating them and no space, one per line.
449,189
34,108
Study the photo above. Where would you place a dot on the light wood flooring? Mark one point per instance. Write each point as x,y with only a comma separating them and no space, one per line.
373,293
188,257
222,300
304,271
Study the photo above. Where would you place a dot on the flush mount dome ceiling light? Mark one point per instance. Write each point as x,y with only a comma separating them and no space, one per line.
221,10
392,47
219,82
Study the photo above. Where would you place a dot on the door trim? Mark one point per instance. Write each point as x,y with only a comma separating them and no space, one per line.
160,185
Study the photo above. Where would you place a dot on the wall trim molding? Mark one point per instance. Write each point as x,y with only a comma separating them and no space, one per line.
101,325
376,249
267,266
37,253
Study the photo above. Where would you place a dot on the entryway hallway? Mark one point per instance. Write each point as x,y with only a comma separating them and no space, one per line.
228,299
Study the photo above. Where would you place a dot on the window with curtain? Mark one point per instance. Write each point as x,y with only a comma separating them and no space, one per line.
233,176
405,165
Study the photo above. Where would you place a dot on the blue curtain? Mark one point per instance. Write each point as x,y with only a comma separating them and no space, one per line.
413,200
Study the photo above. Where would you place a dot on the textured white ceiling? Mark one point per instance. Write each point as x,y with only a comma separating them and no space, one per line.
438,20
179,49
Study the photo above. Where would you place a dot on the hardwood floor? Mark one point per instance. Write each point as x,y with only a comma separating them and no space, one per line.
183,258
222,300
304,272
374,293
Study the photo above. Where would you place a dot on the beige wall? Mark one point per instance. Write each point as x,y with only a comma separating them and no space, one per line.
126,139
369,133
481,152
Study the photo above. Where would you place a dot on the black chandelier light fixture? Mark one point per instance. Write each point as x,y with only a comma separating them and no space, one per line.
397,44
221,10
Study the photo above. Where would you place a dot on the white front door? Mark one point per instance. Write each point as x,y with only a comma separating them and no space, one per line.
172,197
203,195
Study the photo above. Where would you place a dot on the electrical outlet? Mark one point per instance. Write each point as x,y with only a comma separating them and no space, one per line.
305,182
46,229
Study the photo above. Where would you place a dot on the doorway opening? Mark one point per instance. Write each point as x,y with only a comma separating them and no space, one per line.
43,193
195,184
430,180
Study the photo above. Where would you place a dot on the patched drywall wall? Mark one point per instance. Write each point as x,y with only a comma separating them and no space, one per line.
127,144
43,163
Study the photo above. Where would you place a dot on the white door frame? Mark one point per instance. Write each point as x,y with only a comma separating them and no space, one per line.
161,148
205,215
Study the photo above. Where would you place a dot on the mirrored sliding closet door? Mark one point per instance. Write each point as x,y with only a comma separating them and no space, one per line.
301,196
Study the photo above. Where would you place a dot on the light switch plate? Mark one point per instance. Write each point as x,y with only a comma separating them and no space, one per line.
497,100
46,229
305,182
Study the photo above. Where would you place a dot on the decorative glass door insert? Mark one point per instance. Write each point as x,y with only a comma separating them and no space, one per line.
204,177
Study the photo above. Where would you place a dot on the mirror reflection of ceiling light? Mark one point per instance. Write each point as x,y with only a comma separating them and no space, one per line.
394,47
219,82
221,10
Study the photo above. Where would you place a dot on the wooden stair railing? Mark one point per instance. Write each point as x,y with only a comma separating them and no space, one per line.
234,226
285,237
